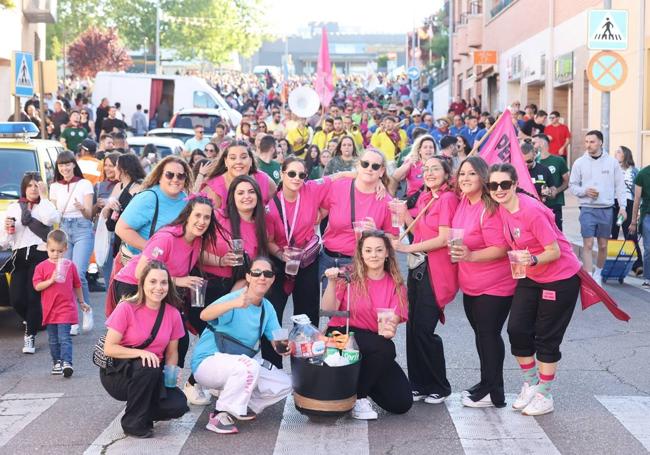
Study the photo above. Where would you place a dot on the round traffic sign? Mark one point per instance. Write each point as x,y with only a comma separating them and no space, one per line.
413,73
607,71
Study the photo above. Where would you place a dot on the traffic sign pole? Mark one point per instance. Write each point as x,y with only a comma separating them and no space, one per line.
605,99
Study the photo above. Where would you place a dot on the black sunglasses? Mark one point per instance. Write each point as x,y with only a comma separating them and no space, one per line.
374,166
258,273
505,185
293,174
169,175
530,161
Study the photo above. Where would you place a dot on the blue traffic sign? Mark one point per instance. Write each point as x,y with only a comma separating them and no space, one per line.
413,73
608,30
23,74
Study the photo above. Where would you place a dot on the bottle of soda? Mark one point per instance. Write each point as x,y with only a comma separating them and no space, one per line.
351,350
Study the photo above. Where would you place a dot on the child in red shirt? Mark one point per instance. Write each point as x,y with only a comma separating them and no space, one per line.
57,288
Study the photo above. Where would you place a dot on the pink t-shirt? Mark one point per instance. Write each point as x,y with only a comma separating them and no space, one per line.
532,227
443,274
58,300
339,235
169,247
382,293
223,246
312,194
218,185
414,178
135,322
477,278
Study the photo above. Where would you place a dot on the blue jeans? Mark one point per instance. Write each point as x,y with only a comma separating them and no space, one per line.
645,235
60,342
107,266
80,247
325,261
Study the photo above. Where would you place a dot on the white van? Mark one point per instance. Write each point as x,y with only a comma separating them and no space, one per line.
178,92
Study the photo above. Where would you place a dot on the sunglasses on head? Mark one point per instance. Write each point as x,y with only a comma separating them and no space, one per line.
293,174
505,185
169,175
374,166
256,273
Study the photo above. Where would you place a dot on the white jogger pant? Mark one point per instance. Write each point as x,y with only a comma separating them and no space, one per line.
243,383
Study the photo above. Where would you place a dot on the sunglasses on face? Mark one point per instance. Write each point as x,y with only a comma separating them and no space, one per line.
505,185
530,161
293,174
374,166
169,175
256,273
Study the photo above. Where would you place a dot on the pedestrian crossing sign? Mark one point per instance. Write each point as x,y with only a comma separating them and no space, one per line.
23,74
608,30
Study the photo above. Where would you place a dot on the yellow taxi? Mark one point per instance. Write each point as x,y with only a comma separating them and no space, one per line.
20,152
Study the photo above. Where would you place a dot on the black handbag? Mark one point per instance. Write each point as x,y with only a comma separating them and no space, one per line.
230,345
103,361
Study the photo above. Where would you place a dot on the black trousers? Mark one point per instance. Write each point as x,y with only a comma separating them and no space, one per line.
425,354
381,378
487,314
22,295
147,400
537,324
557,210
305,301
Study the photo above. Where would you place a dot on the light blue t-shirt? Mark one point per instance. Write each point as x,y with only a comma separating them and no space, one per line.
241,323
139,213
192,143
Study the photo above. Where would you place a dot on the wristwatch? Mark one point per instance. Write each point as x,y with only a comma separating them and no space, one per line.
533,260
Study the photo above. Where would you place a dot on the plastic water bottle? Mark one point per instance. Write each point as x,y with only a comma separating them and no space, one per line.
305,341
619,220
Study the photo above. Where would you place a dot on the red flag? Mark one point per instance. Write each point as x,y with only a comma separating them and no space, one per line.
503,147
591,293
324,85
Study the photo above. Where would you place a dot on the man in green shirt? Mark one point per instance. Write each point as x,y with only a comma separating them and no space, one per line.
559,176
73,134
265,161
641,222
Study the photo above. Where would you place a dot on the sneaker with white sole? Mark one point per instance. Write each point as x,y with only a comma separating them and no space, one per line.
250,415
67,369
525,396
434,398
645,285
485,402
57,368
29,344
417,396
363,410
540,405
74,330
195,394
222,423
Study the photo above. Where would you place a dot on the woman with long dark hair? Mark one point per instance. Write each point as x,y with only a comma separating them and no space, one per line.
423,148
345,156
103,191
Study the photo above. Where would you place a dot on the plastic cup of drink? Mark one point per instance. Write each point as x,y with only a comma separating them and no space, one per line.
293,257
238,250
170,374
359,227
12,225
384,318
281,338
455,239
517,265
197,291
62,267
395,207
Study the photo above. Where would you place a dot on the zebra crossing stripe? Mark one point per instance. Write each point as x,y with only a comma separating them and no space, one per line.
633,413
169,437
503,431
299,434
17,410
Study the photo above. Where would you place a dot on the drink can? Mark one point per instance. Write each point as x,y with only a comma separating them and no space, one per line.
352,355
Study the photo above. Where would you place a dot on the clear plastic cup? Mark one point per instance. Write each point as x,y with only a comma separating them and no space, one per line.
238,250
517,264
395,207
281,338
293,258
455,239
359,228
197,298
170,374
62,267
384,316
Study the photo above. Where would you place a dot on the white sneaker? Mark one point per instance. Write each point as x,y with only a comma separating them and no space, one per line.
74,330
195,395
485,402
434,398
597,275
540,405
29,345
525,396
363,410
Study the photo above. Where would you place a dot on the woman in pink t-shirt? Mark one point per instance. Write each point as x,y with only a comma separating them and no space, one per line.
375,283
484,277
432,283
544,301
424,147
238,159
136,373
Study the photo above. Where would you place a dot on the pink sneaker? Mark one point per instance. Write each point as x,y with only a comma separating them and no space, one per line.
221,422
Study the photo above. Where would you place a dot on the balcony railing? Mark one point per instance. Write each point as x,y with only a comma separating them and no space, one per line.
499,5
40,11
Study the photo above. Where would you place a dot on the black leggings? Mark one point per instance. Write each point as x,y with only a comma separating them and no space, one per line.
305,301
540,316
381,378
22,295
487,314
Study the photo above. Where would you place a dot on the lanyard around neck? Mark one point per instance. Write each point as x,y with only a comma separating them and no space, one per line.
288,231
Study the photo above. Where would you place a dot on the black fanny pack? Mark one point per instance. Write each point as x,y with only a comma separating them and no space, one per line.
231,345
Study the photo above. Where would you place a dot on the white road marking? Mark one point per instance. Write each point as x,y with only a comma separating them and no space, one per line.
168,437
498,431
299,435
17,410
633,413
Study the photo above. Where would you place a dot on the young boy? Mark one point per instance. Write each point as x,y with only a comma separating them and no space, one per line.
58,301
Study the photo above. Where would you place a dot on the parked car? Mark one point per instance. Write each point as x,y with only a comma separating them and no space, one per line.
208,118
183,134
165,145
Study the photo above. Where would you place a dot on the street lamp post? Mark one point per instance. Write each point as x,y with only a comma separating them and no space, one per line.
146,50
157,36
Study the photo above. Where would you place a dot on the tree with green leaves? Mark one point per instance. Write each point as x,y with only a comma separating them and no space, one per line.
6,4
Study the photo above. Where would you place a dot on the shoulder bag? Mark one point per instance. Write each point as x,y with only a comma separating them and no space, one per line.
311,250
125,254
231,345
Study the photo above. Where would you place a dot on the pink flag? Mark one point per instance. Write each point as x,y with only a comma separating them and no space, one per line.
502,146
324,85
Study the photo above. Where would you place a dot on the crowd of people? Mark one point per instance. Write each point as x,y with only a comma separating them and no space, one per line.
222,216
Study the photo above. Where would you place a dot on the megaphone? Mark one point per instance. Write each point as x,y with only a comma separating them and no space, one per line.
304,101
